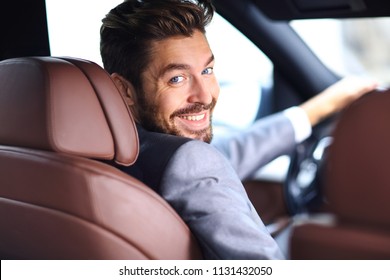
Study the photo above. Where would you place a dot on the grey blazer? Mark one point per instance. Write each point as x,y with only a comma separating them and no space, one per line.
201,185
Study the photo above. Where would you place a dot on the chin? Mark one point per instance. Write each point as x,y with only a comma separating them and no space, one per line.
205,137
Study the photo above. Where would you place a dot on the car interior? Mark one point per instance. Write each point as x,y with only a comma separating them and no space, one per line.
355,225
63,122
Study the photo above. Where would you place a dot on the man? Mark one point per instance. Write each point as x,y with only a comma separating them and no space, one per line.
159,57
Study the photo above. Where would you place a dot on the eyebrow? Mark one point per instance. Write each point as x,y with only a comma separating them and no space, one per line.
179,66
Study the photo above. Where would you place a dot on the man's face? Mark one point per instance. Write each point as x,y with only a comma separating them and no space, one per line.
180,89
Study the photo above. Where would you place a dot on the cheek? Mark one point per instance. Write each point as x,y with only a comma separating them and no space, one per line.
168,105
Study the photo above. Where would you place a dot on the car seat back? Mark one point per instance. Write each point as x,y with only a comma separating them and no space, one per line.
357,188
62,121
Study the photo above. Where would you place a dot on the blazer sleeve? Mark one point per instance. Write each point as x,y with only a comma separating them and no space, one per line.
267,139
203,188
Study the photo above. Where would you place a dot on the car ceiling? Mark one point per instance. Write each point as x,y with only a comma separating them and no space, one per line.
305,9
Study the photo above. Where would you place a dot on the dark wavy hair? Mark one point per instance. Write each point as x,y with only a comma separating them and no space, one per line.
128,30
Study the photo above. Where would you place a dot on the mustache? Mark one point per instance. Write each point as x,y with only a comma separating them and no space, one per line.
194,108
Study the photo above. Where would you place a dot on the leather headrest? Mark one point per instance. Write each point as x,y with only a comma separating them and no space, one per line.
358,174
65,105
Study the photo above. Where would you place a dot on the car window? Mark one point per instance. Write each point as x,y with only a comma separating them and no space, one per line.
350,46
242,70
75,32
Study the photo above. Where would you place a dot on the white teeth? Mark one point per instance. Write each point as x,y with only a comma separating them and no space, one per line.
194,118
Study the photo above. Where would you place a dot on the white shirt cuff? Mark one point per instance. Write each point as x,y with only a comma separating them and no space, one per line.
300,123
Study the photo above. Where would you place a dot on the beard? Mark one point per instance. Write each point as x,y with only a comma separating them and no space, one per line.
151,121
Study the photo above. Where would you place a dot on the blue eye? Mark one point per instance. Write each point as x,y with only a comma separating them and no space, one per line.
208,71
176,79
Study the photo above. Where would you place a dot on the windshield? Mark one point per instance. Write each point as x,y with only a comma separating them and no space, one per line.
350,46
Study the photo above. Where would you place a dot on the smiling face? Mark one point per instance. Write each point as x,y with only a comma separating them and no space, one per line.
179,88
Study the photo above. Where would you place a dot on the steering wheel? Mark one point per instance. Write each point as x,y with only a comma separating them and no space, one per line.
303,185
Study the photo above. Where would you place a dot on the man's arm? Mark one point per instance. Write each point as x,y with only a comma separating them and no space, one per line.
203,188
336,97
276,135
267,139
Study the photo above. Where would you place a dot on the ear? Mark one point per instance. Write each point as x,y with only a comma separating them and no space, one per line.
128,92
125,88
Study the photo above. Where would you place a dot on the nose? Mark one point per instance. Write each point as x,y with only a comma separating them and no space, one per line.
201,91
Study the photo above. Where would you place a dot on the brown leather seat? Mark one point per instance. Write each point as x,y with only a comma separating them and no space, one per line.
357,188
60,120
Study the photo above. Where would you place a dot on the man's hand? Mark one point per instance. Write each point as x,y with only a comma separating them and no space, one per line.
336,97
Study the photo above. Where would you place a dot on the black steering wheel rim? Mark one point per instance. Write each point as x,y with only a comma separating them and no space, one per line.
304,182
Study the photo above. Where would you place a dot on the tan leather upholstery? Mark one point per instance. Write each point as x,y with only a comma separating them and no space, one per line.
357,188
60,119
